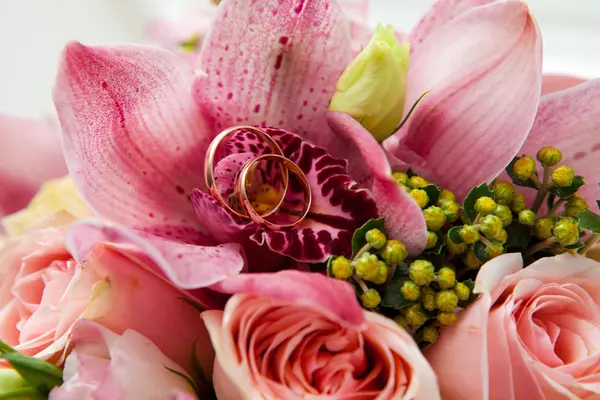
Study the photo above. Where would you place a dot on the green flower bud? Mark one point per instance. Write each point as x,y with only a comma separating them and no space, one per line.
410,291
382,274
524,167
451,209
432,239
10,380
485,205
490,226
371,298
543,228
494,250
455,248
470,259
430,334
518,204
505,214
469,234
563,176
401,321
342,268
504,191
401,178
575,205
566,231
434,218
446,278
422,272
376,238
428,298
462,291
446,318
372,88
446,195
527,217
446,300
191,44
394,252
414,315
420,196
502,236
549,156
367,267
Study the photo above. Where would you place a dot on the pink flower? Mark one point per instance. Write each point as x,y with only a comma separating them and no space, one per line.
105,365
294,335
49,282
533,334
30,153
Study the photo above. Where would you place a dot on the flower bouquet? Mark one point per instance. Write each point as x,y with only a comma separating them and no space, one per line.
288,205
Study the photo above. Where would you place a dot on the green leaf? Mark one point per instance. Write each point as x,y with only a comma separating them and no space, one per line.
589,220
518,236
454,234
565,193
393,295
550,200
4,348
439,245
479,249
27,393
184,376
575,246
517,181
433,192
359,240
38,374
474,194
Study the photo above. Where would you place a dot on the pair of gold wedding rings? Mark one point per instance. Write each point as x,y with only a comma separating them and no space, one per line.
247,210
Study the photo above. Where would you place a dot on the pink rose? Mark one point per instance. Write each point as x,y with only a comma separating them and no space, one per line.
295,335
104,365
533,334
44,291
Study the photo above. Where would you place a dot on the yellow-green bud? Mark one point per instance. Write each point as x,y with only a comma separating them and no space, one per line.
563,176
376,238
446,318
446,300
502,236
191,44
494,250
382,274
10,380
428,298
367,267
485,205
549,156
430,334
462,291
505,214
342,268
504,191
414,315
410,291
451,209
401,321
401,178
370,298
470,259
432,239
518,203
394,252
434,218
446,195
566,231
469,234
524,167
575,205
527,217
420,196
417,182
455,248
490,226
543,228
372,88
422,272
446,278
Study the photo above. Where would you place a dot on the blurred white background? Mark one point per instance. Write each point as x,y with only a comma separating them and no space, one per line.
32,33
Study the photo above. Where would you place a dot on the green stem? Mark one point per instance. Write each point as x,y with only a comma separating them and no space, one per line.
485,241
589,243
539,246
556,206
362,251
542,192
536,182
361,283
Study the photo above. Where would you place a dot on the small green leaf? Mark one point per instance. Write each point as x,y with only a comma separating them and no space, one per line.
393,295
4,348
359,240
565,193
184,376
518,236
479,249
439,245
550,200
27,393
474,194
589,220
575,246
433,192
454,234
517,181
38,374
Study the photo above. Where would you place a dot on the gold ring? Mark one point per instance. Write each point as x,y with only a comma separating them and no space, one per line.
209,168
291,167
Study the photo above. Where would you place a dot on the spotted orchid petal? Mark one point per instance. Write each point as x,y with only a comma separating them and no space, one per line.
30,153
481,105
134,138
404,218
274,62
555,83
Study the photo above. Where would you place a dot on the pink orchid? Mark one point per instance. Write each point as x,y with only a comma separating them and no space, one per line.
30,154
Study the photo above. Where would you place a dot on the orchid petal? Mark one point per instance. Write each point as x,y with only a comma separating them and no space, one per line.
134,138
404,218
334,297
482,103
30,153
570,121
274,62
555,83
